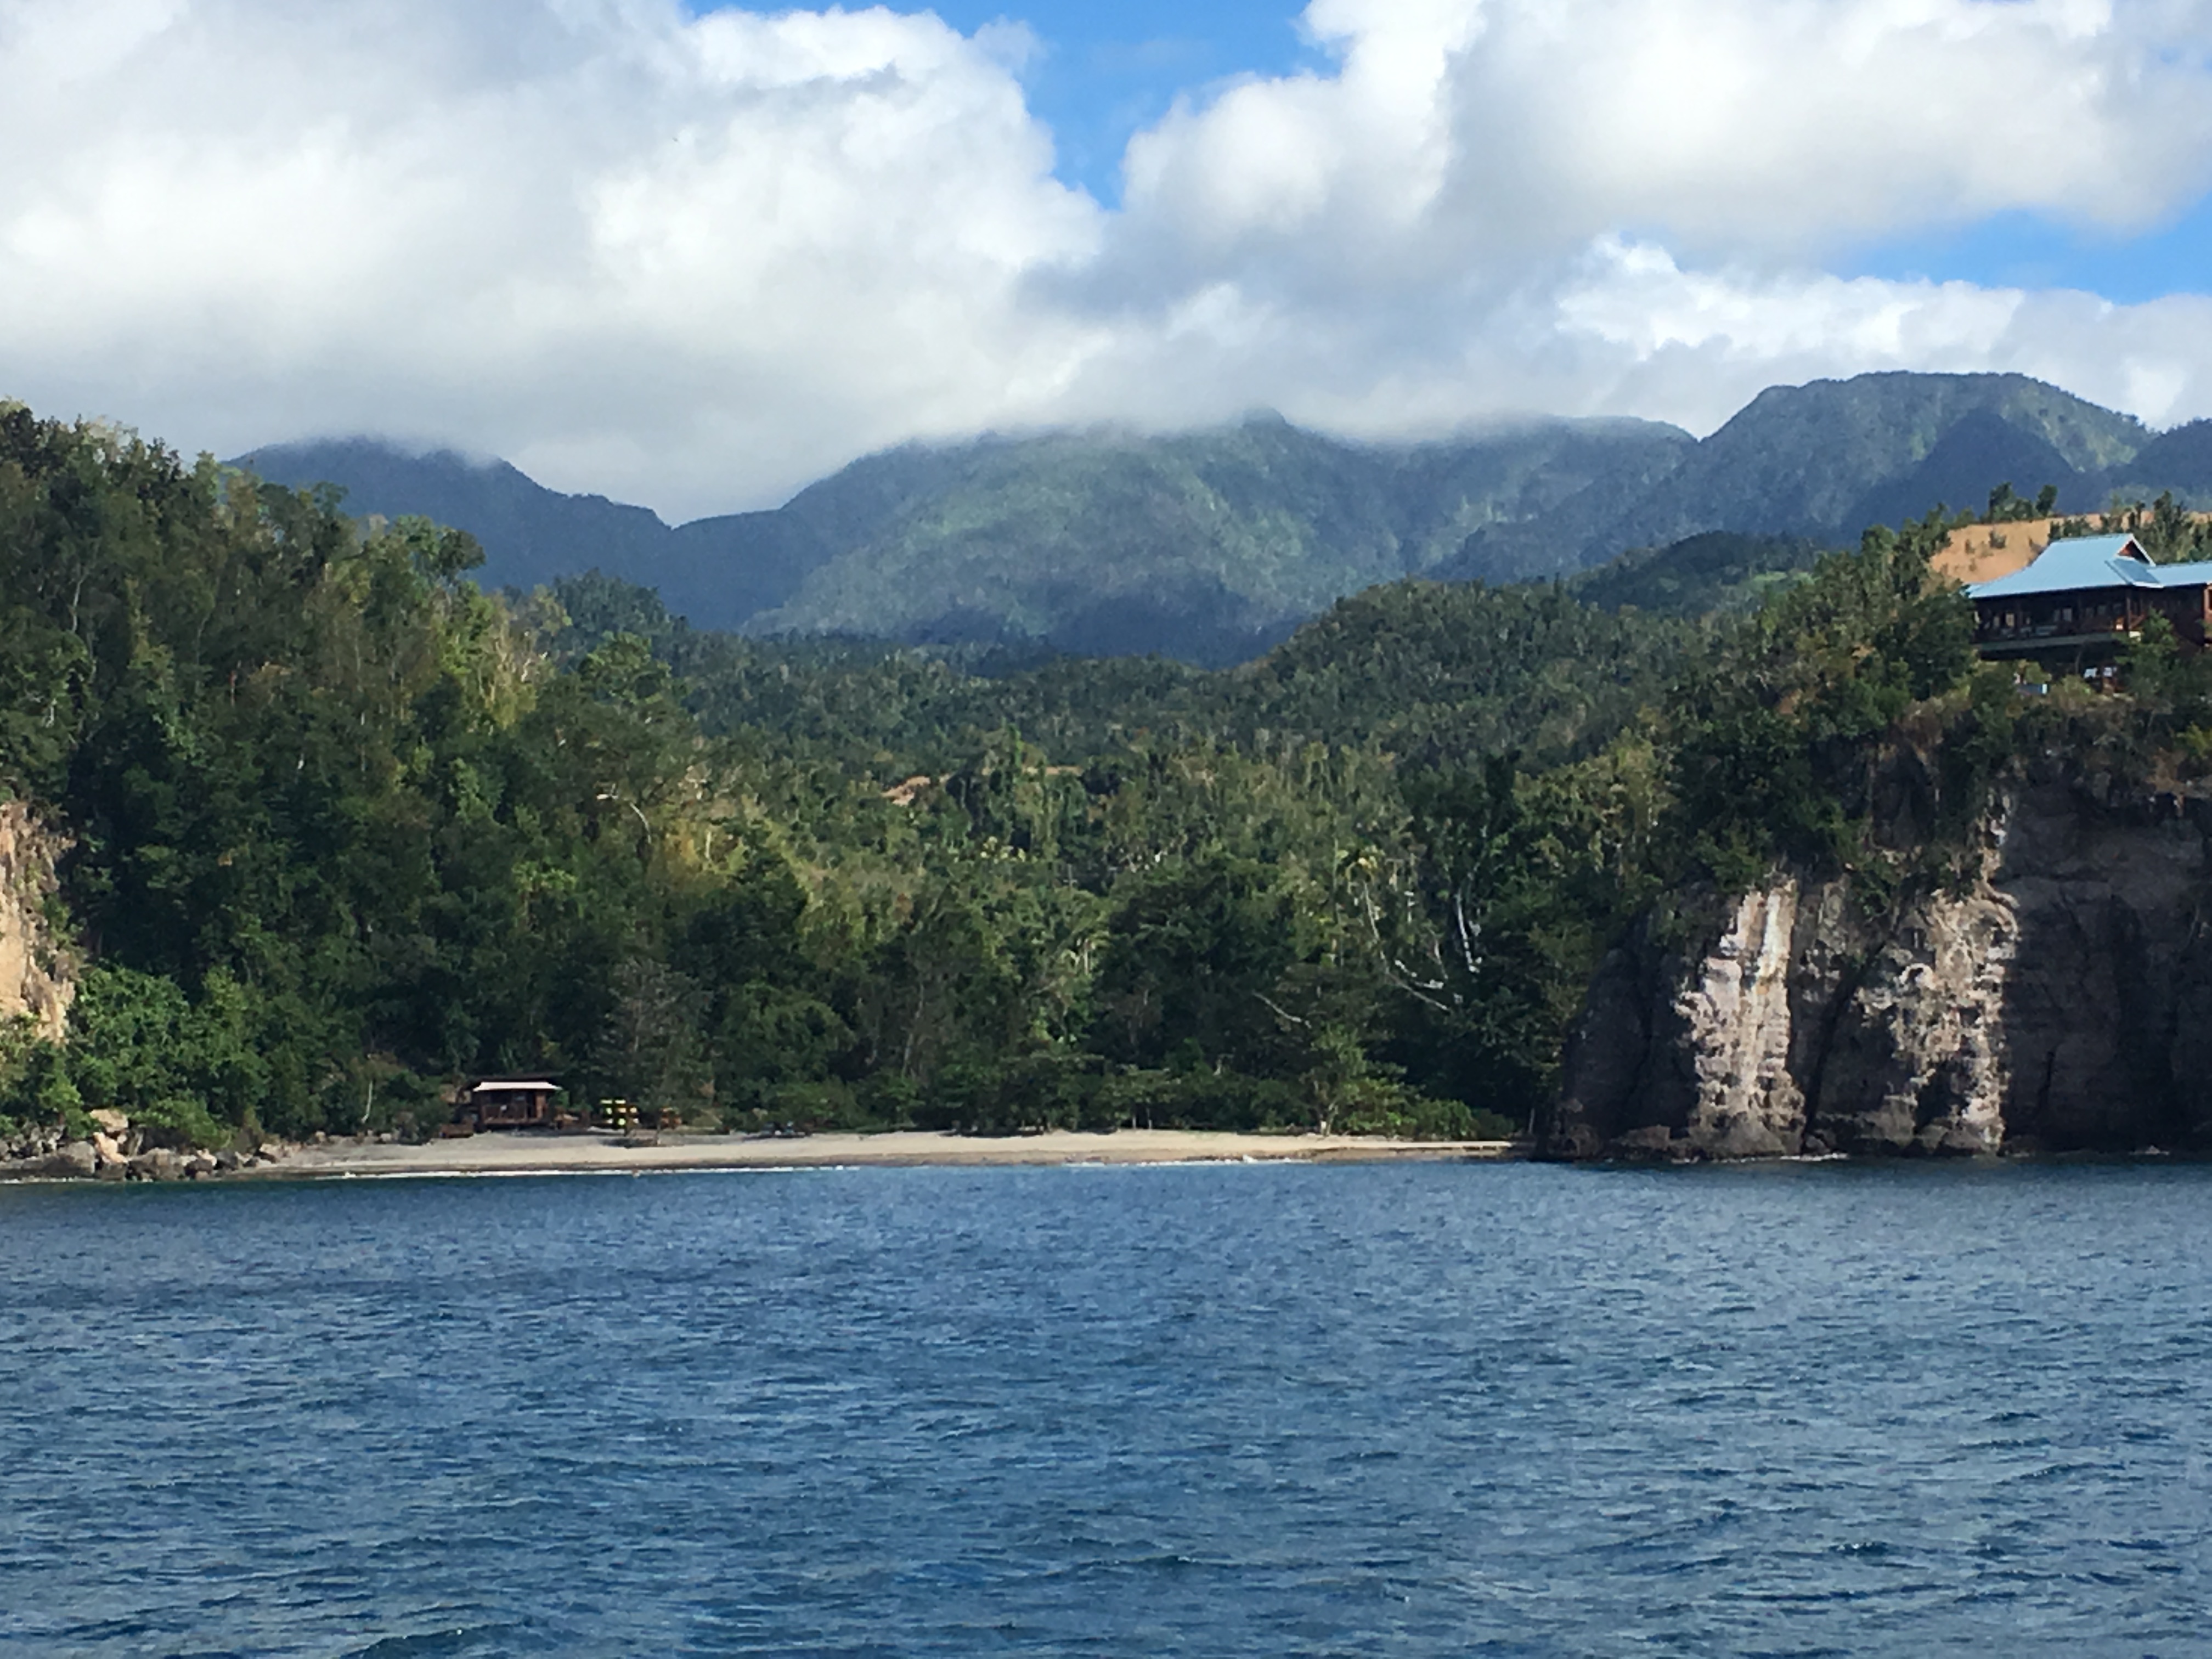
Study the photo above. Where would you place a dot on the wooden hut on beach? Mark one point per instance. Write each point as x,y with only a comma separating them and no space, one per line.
513,1103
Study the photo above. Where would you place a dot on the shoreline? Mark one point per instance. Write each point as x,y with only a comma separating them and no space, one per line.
525,1154
505,1154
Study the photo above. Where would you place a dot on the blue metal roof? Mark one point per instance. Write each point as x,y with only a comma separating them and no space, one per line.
2086,562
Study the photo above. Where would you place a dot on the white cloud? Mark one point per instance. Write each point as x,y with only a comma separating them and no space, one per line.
1702,343
699,261
1508,130
689,260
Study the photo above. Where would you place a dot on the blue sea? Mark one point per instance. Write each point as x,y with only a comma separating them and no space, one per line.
1445,1409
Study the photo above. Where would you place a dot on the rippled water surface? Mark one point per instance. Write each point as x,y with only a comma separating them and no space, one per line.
1445,1409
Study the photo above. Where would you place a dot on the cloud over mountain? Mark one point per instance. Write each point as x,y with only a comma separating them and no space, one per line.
697,261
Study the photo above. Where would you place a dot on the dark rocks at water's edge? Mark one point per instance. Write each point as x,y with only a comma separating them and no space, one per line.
118,1150
117,1154
2060,1001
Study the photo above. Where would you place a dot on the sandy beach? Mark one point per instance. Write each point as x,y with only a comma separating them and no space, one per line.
566,1154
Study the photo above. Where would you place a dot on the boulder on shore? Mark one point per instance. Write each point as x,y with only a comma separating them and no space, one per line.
74,1160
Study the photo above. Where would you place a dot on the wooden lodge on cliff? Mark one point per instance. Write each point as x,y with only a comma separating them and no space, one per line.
2084,598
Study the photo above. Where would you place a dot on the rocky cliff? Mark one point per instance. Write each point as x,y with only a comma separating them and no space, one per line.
2061,1001
35,977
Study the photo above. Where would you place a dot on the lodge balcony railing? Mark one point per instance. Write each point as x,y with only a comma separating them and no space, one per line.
2075,630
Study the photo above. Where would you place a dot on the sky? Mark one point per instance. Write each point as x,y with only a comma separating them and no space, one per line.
698,255
1100,73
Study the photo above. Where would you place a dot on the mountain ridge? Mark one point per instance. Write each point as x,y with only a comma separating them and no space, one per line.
1810,459
1210,545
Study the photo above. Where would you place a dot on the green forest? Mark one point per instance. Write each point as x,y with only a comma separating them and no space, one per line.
344,830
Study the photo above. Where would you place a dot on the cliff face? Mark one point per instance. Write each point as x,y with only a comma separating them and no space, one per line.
34,972
2063,1002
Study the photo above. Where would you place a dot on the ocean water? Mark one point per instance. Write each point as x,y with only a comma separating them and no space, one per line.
1433,1410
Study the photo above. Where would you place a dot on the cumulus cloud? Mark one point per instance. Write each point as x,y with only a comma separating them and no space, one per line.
686,259
697,261
1508,129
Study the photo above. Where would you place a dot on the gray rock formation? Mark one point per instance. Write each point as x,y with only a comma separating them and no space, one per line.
73,1161
2061,1002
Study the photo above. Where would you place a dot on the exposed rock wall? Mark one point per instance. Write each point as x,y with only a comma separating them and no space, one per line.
2062,1001
35,975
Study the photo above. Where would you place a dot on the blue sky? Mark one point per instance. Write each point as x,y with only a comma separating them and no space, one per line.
2019,250
1107,71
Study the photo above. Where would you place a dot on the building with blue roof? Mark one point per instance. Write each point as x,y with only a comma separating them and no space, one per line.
2085,597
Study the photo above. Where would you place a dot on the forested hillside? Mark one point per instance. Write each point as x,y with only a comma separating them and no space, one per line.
1698,575
1207,546
1422,669
345,830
